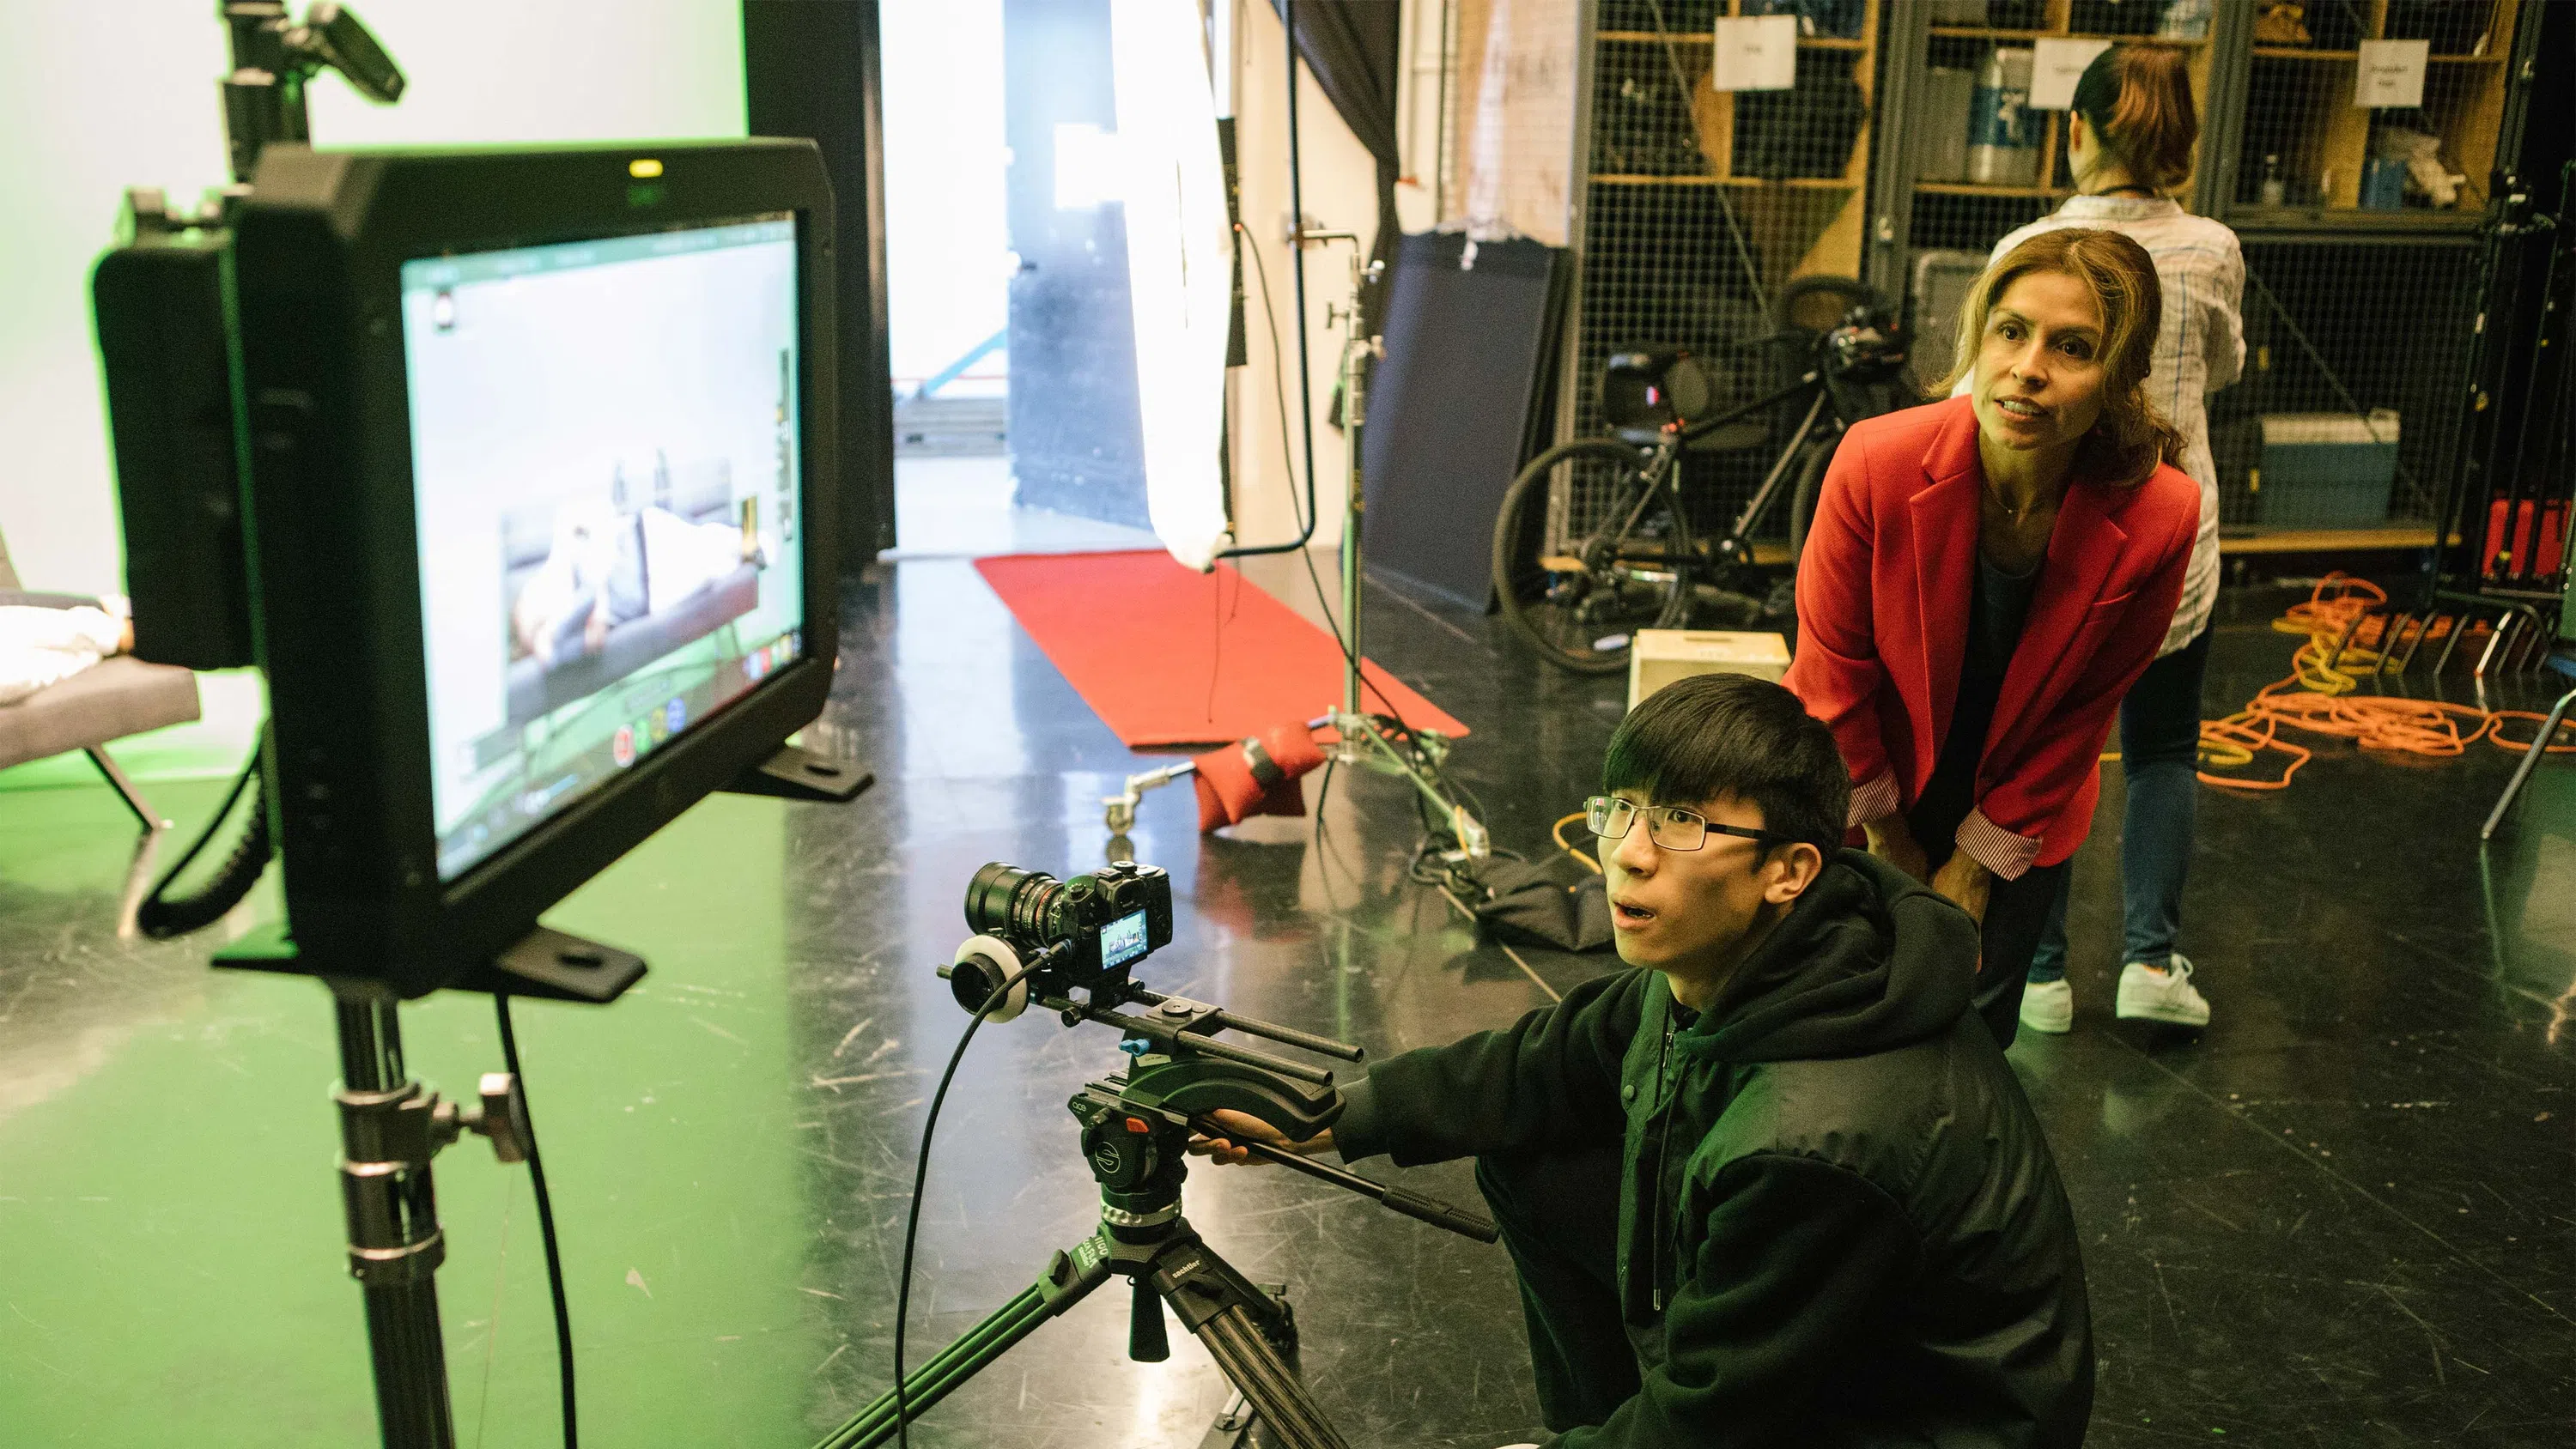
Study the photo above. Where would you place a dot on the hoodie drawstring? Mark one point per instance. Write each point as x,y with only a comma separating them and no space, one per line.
1663,1150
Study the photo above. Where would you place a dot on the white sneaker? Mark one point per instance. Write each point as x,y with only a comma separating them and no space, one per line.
2048,1006
2147,994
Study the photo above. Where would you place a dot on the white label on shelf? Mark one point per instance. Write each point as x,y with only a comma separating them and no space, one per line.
1756,53
2392,73
2055,67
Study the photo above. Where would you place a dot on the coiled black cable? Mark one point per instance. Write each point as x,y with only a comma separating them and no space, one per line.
161,916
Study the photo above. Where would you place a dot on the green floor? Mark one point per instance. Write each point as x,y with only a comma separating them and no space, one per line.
170,1234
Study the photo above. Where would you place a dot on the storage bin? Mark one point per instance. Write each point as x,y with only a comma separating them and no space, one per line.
2325,470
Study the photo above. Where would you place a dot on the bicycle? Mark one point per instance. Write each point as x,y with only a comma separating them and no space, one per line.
1640,567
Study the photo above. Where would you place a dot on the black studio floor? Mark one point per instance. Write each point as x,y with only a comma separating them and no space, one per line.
2343,1215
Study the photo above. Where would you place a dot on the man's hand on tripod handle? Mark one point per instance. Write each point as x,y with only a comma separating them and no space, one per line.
1249,1128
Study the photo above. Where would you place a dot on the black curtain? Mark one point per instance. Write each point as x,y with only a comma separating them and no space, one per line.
811,69
1352,48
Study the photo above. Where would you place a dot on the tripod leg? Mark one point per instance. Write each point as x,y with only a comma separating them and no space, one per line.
1250,1335
1288,1414
394,1242
1069,1278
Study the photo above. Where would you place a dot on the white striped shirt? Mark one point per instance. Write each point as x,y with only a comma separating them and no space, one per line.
2199,349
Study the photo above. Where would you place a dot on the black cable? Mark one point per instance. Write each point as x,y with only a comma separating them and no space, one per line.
545,1220
1287,456
1297,248
160,917
1323,853
920,1176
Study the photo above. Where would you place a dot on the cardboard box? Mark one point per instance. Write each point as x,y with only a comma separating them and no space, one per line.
1657,657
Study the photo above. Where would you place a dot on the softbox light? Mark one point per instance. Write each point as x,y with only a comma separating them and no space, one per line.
1180,267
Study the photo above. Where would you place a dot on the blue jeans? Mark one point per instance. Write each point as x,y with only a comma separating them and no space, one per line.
2159,757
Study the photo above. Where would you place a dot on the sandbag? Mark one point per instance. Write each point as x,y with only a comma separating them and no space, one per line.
1257,776
1556,903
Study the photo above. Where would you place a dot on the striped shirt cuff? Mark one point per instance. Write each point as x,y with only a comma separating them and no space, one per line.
1873,801
1997,849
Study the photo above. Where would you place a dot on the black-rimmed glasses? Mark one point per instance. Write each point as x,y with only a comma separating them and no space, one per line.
1670,827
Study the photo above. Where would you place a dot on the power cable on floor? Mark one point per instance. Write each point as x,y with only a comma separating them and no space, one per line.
2345,645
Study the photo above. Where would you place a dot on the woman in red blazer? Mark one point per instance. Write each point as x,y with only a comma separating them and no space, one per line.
1985,578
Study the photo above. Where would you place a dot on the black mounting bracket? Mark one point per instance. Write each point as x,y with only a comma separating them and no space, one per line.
545,963
798,774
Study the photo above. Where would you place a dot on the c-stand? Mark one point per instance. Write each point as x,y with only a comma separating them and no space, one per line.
391,1125
1136,1129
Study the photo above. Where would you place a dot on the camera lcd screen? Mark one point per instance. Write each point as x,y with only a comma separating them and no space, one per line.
605,458
1122,940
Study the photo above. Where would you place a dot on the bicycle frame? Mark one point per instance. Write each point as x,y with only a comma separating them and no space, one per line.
1732,547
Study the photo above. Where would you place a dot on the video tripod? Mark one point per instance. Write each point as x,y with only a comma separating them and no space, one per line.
1136,1127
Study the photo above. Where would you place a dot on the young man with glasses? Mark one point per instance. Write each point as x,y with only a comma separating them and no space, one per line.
1774,1185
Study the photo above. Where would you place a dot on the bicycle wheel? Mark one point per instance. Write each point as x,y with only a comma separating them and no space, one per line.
1811,488
1632,571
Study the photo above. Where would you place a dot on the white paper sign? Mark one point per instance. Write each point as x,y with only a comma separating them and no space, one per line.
2055,67
1757,53
2392,73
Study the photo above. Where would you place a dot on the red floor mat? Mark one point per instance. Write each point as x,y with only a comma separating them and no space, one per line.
1143,639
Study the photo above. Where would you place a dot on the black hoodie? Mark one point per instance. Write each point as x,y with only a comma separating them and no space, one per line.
1839,1224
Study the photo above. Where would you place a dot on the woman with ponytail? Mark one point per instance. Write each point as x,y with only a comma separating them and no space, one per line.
2129,141
1987,576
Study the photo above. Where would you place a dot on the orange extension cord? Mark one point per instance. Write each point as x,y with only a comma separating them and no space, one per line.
2318,697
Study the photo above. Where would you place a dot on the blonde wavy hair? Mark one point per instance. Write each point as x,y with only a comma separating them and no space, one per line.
2131,437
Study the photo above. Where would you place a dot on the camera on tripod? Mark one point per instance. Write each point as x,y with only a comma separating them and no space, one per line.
1042,938
1079,934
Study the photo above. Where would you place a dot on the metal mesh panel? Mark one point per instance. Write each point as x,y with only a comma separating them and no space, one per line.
1699,207
2344,329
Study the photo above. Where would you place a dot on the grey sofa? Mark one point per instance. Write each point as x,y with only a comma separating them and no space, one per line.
704,494
119,697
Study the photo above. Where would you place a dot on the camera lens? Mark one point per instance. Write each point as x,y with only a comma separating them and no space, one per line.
1014,904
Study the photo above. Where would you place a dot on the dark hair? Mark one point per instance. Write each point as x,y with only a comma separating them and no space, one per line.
2131,437
1732,734
2137,99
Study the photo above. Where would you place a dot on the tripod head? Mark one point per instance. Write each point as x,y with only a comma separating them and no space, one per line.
1136,1125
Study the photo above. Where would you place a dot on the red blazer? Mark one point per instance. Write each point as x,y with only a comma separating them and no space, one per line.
1883,622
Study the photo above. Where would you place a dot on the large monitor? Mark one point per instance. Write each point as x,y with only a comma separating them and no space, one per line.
543,543
605,464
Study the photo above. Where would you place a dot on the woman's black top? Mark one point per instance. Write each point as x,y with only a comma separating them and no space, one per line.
1997,608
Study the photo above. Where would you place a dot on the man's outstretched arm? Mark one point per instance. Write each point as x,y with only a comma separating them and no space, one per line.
1549,1080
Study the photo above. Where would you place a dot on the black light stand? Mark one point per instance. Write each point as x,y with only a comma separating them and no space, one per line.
391,1125
1136,1128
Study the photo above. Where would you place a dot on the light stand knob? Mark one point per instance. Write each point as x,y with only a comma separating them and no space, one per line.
503,1117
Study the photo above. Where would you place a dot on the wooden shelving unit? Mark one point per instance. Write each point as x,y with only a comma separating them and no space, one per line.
1749,183
2299,107
1695,38
1970,43
1796,237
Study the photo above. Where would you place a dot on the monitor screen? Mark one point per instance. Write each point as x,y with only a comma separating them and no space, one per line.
605,462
